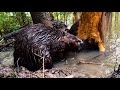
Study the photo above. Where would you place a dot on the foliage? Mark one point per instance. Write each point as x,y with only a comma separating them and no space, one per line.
115,23
10,21
65,17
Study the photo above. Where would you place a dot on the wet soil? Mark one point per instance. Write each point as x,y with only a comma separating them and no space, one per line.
84,64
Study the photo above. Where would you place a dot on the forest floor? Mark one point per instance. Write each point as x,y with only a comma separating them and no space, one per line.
85,64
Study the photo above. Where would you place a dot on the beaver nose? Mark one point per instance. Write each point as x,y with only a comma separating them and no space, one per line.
80,42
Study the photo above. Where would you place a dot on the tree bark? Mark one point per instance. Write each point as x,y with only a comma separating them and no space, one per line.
57,15
109,24
66,19
64,14
89,28
75,16
52,15
41,17
23,16
102,24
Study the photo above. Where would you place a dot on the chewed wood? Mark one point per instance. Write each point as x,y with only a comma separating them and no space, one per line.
88,28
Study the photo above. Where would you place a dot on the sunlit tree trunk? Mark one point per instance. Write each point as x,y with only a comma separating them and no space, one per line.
60,16
64,14
116,20
89,28
79,14
52,15
57,15
41,17
102,26
75,17
108,29
66,19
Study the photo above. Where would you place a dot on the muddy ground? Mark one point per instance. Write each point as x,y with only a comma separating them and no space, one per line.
85,64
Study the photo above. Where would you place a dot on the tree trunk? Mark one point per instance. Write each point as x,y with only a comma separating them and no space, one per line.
52,15
66,18
89,28
64,14
109,24
108,29
102,28
21,18
116,20
41,17
57,15
75,16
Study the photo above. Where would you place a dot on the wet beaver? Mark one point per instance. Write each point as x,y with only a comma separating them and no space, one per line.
36,41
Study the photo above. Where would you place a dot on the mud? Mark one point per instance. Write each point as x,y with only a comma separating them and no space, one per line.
74,66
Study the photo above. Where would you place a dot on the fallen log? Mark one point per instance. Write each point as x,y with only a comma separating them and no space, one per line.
9,35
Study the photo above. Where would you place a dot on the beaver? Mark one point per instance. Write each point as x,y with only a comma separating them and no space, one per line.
37,41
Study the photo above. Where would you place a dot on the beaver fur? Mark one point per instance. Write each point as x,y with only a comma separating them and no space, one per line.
36,41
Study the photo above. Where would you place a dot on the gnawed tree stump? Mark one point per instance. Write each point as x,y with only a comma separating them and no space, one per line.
88,28
92,27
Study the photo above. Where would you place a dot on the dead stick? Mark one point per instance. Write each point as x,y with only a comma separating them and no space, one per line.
106,64
92,57
43,63
84,62
12,34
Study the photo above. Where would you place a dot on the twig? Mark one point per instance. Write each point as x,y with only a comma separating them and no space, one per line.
92,57
37,55
43,64
84,62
